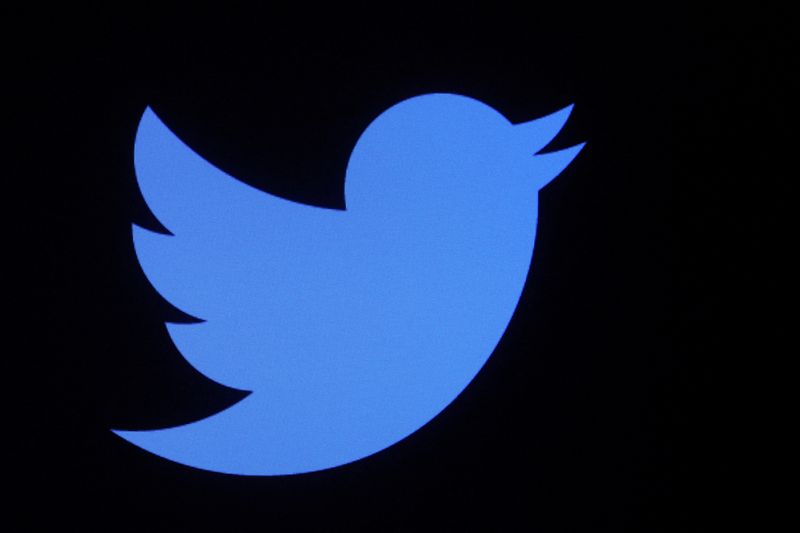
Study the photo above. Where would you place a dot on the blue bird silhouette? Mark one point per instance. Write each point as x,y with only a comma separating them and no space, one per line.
351,328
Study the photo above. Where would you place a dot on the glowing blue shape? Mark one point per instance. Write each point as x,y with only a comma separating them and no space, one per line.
352,328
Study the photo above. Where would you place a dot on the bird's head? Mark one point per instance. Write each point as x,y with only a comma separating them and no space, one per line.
444,152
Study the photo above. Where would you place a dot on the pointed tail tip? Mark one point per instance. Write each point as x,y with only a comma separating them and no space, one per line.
123,434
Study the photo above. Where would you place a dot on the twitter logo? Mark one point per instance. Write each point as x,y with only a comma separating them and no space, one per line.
352,328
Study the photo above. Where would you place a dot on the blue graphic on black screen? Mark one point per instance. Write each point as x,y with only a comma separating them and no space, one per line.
351,328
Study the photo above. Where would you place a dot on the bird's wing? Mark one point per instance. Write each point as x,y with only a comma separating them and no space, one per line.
240,259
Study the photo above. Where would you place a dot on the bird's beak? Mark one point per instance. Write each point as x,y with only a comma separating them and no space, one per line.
548,166
536,134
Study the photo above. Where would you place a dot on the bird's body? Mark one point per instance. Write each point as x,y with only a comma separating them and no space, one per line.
352,328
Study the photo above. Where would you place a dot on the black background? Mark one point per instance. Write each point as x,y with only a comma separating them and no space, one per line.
579,419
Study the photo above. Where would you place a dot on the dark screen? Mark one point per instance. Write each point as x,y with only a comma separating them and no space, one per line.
570,426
